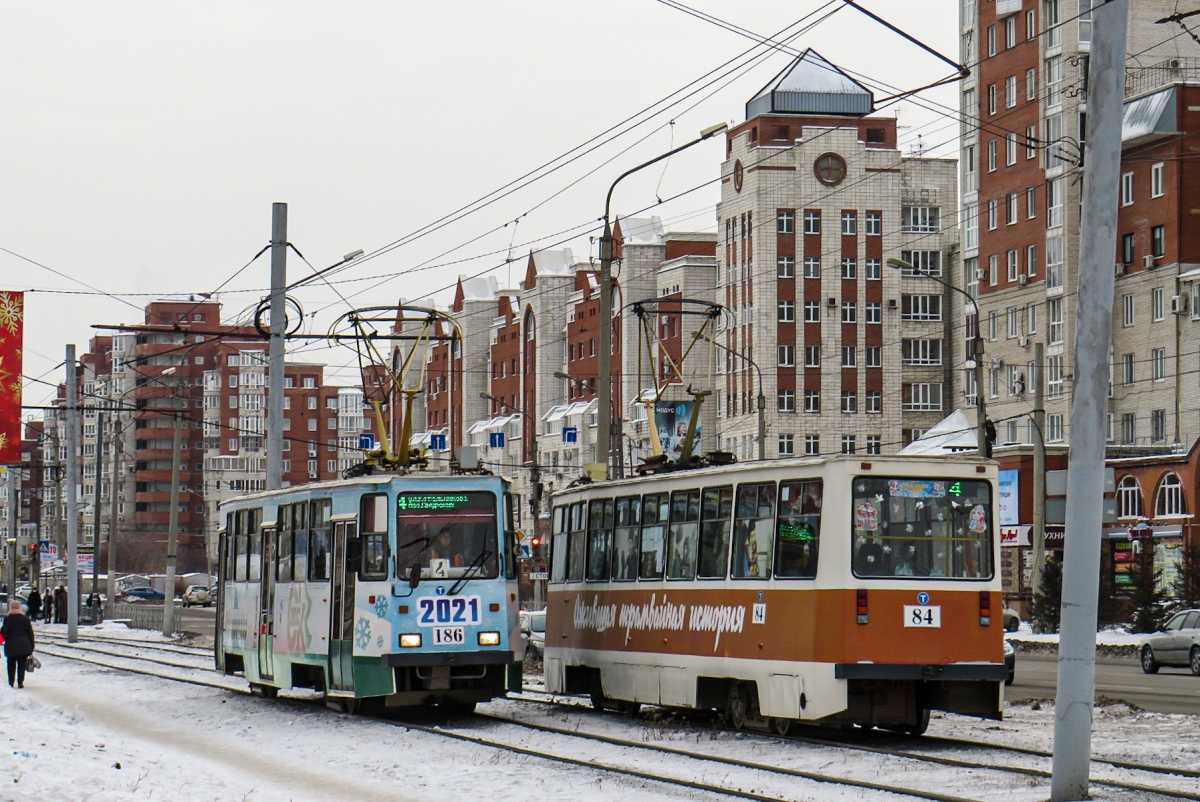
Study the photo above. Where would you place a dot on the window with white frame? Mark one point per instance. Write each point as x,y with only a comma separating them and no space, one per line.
785,267
1013,262
1010,32
1128,428
1129,498
1031,260
991,94
873,311
1158,425
849,401
1054,428
849,222
1127,309
849,356
787,312
874,401
849,311
921,351
1011,211
812,445
922,396
1031,83
991,155
787,445
872,356
849,267
970,225
923,263
1127,369
812,267
812,401
1157,181
1054,310
1013,322
1169,500
787,356
785,221
849,444
1053,75
812,356
1158,364
873,268
874,223
812,311
1010,148
812,221
1054,262
1126,189
1054,202
786,401
920,219
1031,320
1010,91
1054,376
874,444
921,307
993,207
1157,310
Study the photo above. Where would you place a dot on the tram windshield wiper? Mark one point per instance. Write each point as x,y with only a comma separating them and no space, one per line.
472,569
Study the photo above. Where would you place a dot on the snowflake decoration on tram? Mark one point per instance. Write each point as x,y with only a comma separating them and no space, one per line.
381,606
362,633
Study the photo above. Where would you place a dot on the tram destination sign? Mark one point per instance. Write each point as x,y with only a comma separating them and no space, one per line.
444,502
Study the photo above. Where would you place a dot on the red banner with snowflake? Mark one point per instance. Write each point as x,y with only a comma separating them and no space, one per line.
12,316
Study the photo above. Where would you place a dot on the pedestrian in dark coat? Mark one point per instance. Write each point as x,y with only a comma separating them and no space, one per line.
18,642
60,605
35,604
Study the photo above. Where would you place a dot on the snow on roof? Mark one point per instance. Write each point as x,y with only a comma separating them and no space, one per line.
811,85
953,434
1146,116
554,263
642,230
479,288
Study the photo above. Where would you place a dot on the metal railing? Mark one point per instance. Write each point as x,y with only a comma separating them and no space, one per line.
136,616
1147,79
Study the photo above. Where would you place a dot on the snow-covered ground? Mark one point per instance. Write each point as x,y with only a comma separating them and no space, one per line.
79,732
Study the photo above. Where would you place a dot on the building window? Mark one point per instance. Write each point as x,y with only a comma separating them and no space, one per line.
812,311
1054,203
991,92
1158,364
812,356
872,354
1010,32
1127,309
787,445
1010,91
1158,425
873,268
1127,369
1054,258
787,356
1129,498
993,270
849,356
921,307
921,352
849,267
1128,428
874,224
991,40
786,401
993,218
787,312
991,155
1157,310
785,267
812,445
873,311
1157,183
848,444
1010,149
812,401
1158,242
1170,497
874,401
1126,189
812,221
849,223
1054,310
920,219
849,311
1054,428
1012,260
923,263
922,397
1031,143
812,267
1011,211
874,444
1054,376
849,401
1031,260
785,221
1052,74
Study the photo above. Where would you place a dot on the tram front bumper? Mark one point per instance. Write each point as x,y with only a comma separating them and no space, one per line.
475,658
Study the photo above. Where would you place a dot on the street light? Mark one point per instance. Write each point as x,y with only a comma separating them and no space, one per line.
173,516
981,422
584,384
604,406
762,399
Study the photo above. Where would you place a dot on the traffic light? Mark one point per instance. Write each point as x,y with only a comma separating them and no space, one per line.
535,547
989,431
33,550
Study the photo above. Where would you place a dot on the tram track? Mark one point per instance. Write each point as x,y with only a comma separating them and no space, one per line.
691,775
911,753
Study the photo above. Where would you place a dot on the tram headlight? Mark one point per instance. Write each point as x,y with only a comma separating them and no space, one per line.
489,638
410,640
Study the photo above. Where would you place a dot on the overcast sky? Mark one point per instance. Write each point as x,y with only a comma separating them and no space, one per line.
146,141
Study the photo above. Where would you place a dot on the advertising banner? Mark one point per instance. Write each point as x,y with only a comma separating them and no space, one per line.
671,418
12,316
1009,502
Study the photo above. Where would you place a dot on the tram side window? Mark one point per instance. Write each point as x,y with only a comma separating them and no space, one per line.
922,527
300,541
599,542
318,540
578,541
753,527
717,509
240,544
797,534
683,535
626,540
655,513
558,545
254,555
283,564
374,531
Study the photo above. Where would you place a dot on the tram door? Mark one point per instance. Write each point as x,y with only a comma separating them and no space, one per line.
341,610
266,613
223,563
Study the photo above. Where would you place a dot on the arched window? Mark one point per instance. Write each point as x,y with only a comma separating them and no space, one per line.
1169,500
1129,498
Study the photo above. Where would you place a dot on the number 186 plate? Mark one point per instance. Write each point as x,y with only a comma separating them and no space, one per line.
917,615
447,636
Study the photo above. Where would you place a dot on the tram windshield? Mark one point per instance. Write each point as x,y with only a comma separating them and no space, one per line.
449,535
922,527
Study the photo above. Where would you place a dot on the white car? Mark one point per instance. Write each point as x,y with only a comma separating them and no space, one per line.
197,594
533,629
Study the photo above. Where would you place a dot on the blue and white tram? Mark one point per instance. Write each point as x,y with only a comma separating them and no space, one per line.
399,589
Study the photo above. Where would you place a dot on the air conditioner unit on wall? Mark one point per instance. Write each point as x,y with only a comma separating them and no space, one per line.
1120,270
1023,341
1149,261
1179,305
1022,279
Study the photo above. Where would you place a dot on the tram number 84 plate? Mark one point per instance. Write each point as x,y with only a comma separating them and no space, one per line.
918,615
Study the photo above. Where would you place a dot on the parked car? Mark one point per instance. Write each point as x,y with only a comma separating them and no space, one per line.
19,597
1177,643
533,629
143,593
197,594
1010,662
1012,621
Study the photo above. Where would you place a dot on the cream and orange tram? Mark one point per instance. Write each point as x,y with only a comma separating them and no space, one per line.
835,590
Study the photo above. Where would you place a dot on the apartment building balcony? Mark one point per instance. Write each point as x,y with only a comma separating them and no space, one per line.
1007,7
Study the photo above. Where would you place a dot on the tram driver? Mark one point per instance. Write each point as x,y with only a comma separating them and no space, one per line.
444,548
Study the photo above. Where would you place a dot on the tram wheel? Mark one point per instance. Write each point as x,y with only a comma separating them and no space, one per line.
921,725
781,726
737,708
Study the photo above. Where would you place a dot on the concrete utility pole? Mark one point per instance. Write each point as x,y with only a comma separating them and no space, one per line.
275,354
95,608
173,518
115,485
1038,535
72,558
1089,406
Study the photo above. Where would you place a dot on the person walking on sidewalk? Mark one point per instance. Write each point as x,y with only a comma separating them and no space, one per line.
17,631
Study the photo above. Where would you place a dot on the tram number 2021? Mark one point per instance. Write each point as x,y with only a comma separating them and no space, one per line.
919,615
438,611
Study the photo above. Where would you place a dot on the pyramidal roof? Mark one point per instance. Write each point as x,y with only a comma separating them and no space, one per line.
812,85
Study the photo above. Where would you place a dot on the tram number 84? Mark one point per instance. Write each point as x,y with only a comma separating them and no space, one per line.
455,610
922,615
